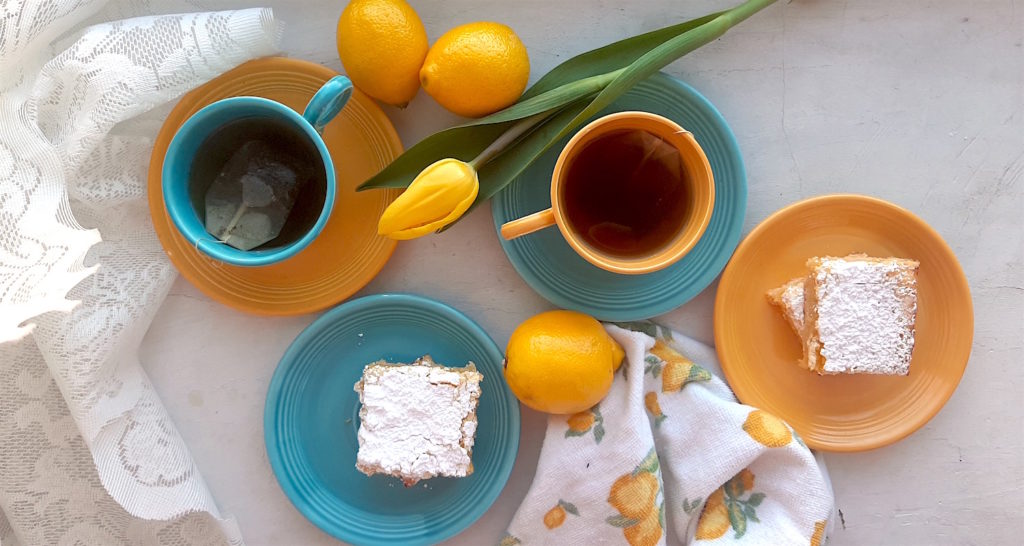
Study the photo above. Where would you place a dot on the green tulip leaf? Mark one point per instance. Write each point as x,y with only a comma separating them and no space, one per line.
611,57
663,54
463,143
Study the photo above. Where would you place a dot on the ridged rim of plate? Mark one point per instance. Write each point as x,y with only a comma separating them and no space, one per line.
350,523
571,282
932,382
242,287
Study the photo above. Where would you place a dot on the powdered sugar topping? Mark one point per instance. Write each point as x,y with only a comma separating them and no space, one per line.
866,313
415,420
793,300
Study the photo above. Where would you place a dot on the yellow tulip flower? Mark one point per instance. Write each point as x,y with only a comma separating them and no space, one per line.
438,196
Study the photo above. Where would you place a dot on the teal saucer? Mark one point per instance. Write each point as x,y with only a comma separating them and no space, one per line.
549,265
312,416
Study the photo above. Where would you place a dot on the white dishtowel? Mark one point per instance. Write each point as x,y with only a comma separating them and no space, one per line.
670,456
88,454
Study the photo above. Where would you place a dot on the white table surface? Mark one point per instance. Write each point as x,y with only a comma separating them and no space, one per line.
920,103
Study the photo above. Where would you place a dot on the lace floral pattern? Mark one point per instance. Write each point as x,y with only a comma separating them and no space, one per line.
89,454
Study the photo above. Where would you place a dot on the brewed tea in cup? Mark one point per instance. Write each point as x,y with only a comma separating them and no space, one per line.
631,193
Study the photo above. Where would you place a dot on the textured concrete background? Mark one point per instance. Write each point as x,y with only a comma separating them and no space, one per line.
917,102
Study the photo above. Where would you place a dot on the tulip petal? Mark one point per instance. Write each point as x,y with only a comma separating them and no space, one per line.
438,196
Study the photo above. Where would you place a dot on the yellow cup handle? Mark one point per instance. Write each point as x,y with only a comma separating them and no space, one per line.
528,224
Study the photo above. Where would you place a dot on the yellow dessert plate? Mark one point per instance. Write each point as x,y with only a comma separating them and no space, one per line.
759,351
348,253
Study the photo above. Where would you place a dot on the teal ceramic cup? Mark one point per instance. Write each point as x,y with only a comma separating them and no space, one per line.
192,140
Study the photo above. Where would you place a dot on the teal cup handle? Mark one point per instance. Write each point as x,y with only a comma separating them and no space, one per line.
328,102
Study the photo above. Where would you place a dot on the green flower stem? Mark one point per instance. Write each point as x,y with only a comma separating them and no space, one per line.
740,13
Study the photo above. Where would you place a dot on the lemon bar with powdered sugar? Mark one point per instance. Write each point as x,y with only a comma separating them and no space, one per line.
860,315
418,420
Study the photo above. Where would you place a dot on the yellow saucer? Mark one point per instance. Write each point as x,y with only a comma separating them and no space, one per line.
759,351
348,253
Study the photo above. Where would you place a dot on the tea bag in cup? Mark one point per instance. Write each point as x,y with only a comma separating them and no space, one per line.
250,199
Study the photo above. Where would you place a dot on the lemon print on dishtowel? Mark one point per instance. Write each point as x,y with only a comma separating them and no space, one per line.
556,516
727,507
637,497
654,408
676,370
767,429
819,532
586,422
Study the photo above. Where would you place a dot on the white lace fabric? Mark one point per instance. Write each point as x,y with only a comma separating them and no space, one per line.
88,454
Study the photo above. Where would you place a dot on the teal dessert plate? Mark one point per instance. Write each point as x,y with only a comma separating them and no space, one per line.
312,416
550,266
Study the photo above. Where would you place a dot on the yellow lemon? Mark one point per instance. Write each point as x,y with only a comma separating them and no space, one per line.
561,362
674,374
645,533
714,519
618,356
476,69
767,429
634,495
582,421
747,479
676,370
819,533
666,353
651,402
382,44
555,517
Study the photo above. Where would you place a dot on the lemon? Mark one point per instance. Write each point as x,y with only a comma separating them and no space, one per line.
555,517
767,429
819,533
645,533
561,362
476,69
714,518
382,44
581,421
634,495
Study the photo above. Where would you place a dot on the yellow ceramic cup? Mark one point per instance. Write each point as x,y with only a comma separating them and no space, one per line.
700,191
